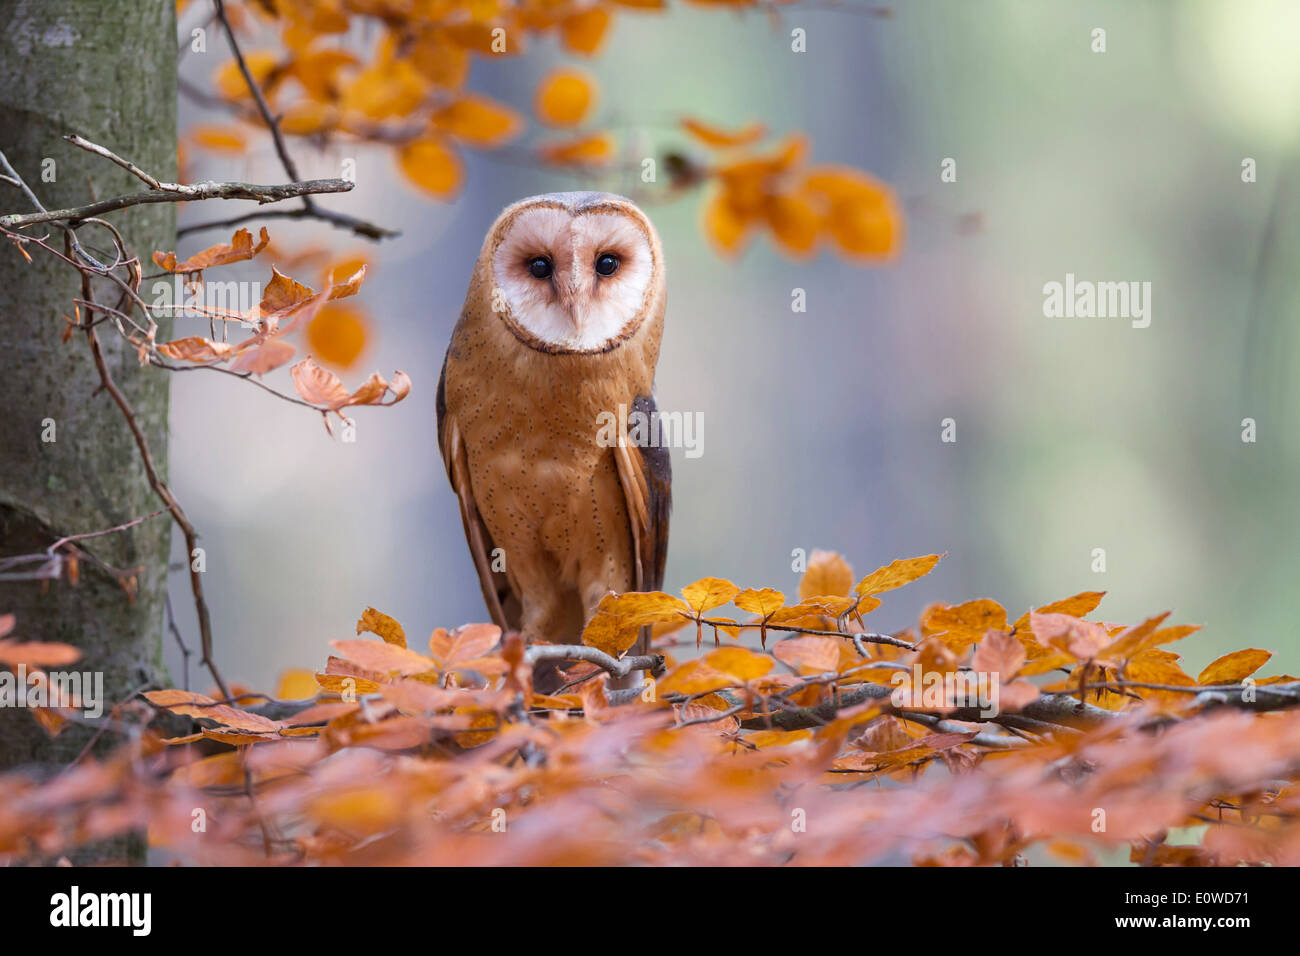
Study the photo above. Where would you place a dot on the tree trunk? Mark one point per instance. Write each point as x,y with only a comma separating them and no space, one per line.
106,71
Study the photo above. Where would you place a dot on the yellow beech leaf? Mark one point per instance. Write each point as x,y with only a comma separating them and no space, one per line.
896,574
584,32
725,223
812,612
356,810
381,625
763,602
221,139
439,60
317,71
717,137
296,684
861,212
230,79
1146,636
389,88
1234,667
619,617
478,120
959,626
739,662
708,593
564,97
827,574
345,683
1080,605
693,677
767,739
795,224
431,165
1155,667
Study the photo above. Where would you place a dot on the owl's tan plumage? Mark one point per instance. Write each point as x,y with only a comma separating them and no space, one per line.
523,387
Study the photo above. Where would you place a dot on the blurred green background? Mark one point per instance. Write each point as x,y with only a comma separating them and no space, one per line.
822,429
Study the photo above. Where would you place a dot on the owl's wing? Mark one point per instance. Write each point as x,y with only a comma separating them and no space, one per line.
647,476
502,603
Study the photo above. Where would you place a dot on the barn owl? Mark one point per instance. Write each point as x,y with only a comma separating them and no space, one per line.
560,330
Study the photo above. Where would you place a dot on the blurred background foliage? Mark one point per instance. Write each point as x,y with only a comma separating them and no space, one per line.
822,428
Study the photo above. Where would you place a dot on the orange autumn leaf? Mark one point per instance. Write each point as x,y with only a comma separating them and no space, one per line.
239,248
478,120
827,574
694,677
197,705
264,358
196,349
466,643
319,386
431,165
230,79
384,658
809,655
619,617
862,215
385,89
37,653
584,32
221,139
564,97
717,137
739,662
589,150
1235,667
318,71
794,223
959,626
337,335
724,224
381,625
296,684
896,574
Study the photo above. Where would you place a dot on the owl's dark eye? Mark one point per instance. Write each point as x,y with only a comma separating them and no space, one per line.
607,263
540,267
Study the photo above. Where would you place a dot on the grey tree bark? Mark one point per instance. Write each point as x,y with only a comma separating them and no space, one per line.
108,72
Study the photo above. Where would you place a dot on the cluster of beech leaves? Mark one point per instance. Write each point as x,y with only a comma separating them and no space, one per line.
767,735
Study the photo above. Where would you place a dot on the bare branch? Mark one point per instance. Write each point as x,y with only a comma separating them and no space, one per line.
176,192
617,667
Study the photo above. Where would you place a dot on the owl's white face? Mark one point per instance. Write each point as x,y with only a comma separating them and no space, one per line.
574,278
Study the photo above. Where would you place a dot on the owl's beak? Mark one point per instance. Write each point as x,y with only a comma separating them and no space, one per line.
570,299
